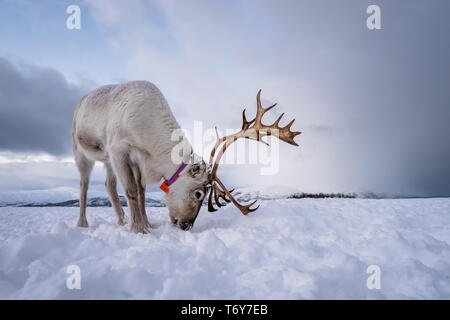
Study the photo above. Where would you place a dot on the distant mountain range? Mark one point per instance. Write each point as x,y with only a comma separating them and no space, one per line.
92,202
240,195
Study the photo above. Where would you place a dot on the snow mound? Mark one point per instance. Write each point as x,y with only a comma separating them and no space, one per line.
288,249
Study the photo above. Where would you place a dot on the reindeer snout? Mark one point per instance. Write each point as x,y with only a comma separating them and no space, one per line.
183,225
186,225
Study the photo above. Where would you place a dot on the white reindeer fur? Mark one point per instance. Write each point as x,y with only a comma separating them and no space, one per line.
129,127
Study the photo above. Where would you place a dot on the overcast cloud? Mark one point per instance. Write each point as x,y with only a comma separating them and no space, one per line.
36,109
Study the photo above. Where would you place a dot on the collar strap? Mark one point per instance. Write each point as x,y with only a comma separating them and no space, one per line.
165,185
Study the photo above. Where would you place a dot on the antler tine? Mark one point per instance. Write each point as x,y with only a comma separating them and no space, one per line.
210,203
217,133
246,124
288,126
218,142
287,135
217,193
222,194
260,111
245,209
276,123
216,197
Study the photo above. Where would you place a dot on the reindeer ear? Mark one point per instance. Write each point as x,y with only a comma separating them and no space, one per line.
197,169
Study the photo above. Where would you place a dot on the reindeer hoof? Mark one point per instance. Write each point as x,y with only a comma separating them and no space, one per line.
121,222
139,228
82,223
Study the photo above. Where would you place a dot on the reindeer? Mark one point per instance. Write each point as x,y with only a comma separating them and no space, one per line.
128,127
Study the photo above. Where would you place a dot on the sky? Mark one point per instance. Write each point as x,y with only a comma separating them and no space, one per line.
373,105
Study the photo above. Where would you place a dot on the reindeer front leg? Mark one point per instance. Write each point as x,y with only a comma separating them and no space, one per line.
123,167
141,195
111,187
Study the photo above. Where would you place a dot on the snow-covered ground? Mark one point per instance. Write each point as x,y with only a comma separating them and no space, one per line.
293,249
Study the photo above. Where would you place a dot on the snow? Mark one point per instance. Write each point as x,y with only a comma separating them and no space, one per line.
288,249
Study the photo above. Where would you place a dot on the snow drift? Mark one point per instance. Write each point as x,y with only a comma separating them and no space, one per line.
288,249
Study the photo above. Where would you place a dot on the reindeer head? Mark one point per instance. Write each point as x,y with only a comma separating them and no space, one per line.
187,193
254,130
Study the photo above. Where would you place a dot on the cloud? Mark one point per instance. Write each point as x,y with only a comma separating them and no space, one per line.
373,105
42,175
36,109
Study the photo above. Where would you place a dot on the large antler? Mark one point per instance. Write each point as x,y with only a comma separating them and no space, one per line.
254,130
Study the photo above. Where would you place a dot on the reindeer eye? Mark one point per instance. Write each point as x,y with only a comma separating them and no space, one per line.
199,194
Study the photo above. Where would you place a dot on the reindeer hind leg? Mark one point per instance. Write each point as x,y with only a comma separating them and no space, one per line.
85,166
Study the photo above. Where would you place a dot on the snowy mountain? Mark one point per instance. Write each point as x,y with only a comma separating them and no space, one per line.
91,202
67,197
